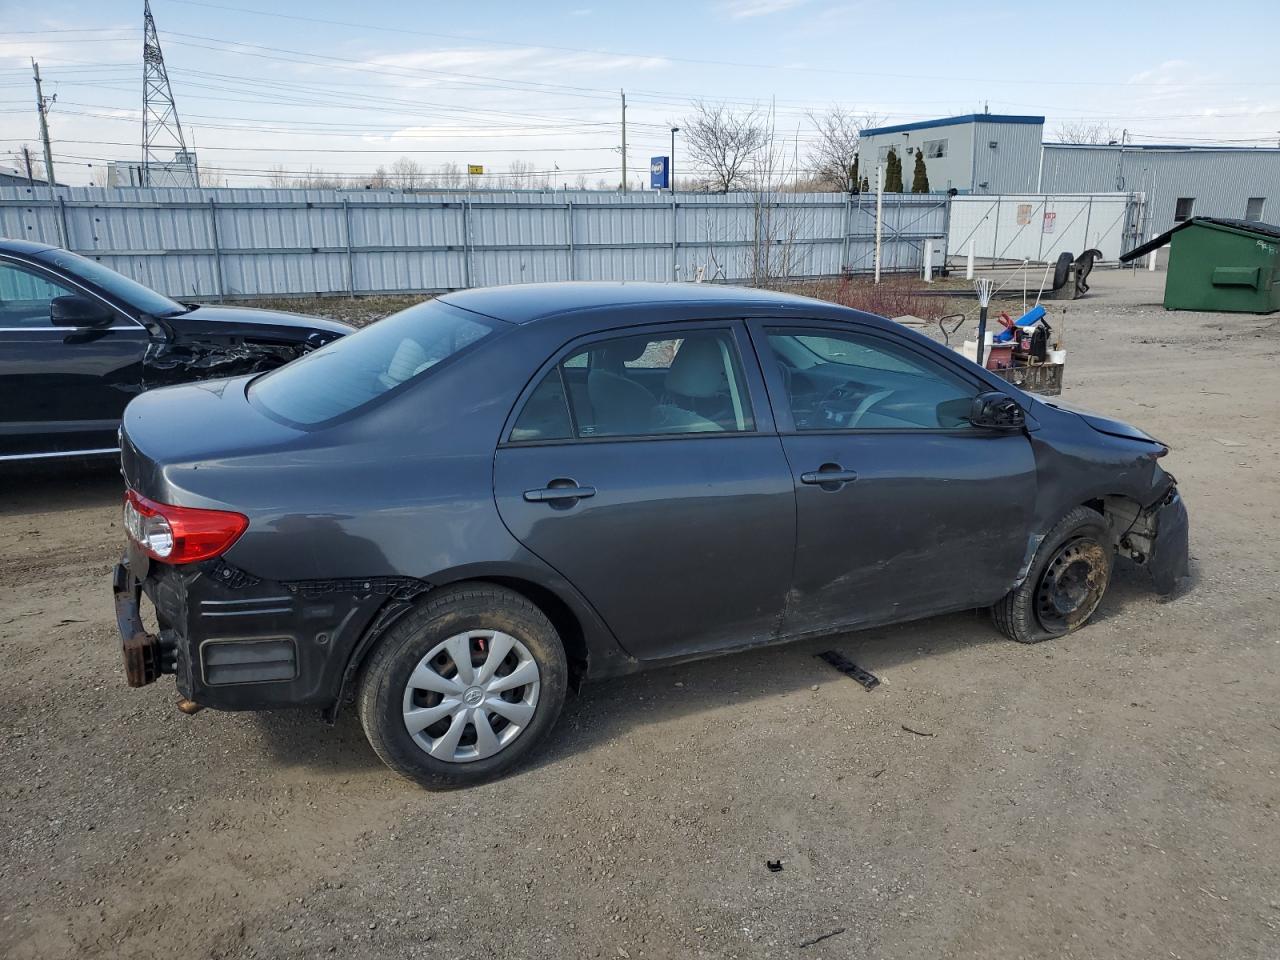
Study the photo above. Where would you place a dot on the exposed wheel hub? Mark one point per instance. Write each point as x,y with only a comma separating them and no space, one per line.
1072,585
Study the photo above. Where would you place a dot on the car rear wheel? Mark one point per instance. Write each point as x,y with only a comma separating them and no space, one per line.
1067,580
464,686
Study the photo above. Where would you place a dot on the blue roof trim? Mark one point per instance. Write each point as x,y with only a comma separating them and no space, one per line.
953,121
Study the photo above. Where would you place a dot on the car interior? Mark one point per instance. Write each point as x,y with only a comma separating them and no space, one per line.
641,386
847,383
25,297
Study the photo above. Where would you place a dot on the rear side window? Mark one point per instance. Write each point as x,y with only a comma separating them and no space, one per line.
347,374
641,386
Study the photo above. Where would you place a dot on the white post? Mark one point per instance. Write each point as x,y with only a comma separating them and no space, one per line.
879,213
1151,257
968,268
928,261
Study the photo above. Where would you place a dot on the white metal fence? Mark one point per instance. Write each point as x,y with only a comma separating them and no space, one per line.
248,243
1040,227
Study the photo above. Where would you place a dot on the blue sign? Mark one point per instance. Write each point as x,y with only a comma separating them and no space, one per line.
659,172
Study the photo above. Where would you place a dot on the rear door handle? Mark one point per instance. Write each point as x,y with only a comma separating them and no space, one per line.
829,474
552,494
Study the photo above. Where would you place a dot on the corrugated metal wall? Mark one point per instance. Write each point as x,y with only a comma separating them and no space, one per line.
1040,227
1221,181
257,242
1011,166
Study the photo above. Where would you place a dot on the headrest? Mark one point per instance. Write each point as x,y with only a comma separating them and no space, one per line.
698,369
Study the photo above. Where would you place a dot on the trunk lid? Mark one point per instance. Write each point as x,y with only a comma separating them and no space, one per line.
168,434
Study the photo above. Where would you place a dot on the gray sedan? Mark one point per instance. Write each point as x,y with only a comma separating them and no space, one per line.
453,516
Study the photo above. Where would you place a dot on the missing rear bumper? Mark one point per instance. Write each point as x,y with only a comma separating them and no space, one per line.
145,655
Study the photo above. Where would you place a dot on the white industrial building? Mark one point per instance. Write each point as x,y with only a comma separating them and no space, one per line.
999,154
182,171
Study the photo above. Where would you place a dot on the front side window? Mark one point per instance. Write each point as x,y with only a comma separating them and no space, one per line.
853,381
115,284
25,297
349,373
648,385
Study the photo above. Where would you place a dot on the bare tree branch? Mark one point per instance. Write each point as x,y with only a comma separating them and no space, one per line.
723,143
1087,133
833,154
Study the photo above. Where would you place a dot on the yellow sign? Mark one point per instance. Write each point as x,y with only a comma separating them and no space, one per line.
475,169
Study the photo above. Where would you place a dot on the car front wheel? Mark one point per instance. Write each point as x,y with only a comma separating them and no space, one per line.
463,686
1067,580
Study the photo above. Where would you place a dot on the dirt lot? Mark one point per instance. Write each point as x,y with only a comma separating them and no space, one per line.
1111,794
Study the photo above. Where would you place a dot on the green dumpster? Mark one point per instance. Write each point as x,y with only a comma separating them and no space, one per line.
1219,264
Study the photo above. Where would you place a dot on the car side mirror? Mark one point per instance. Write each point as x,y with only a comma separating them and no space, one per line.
996,411
73,310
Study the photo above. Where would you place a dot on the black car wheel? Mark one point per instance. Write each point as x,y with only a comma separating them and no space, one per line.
1066,582
463,686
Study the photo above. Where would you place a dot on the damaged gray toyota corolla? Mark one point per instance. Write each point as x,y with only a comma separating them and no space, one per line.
453,516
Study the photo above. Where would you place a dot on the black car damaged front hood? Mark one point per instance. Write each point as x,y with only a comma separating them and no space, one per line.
256,324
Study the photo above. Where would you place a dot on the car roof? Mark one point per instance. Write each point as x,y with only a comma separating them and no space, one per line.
528,302
8,245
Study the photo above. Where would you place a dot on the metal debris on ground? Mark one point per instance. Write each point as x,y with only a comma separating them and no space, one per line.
775,866
818,939
849,668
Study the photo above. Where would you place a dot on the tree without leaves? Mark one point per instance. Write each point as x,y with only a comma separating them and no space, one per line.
723,143
407,173
381,180
451,176
278,178
1088,133
919,176
834,156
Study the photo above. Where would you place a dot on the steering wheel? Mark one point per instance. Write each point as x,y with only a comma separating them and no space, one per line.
844,393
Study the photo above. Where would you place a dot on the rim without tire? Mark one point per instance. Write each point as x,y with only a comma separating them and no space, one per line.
1072,585
471,696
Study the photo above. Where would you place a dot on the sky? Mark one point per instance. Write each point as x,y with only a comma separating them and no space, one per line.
343,88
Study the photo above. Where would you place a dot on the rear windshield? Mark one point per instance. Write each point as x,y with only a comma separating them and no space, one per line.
358,369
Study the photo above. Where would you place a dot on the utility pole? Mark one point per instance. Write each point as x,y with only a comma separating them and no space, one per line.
43,104
26,156
671,162
624,140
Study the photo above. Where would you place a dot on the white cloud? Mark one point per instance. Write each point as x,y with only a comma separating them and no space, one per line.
743,9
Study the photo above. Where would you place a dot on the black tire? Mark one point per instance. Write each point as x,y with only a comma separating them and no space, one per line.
1067,580
442,614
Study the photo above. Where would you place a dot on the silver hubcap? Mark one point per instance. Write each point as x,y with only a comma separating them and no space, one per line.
471,696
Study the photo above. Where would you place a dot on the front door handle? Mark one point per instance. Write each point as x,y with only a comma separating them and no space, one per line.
558,491
829,476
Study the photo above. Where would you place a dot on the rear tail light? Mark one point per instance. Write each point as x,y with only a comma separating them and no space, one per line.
180,534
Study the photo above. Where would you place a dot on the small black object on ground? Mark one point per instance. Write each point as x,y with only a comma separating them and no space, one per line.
822,936
775,866
849,668
918,733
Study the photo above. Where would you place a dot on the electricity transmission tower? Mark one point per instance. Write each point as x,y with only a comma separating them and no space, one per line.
161,129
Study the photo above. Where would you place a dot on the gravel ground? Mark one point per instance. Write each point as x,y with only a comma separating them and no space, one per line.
1109,794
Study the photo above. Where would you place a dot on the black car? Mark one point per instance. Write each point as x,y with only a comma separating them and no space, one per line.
78,341
454,515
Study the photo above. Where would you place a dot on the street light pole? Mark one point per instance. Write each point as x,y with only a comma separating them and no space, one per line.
671,162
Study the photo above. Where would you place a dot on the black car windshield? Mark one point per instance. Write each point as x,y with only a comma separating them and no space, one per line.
114,284
349,373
